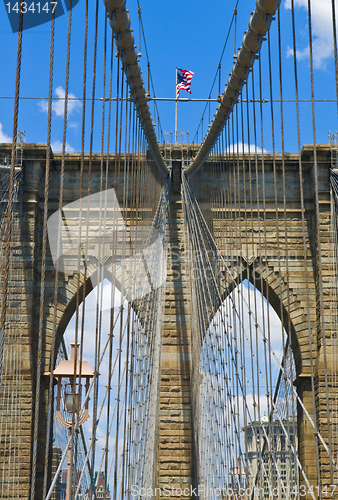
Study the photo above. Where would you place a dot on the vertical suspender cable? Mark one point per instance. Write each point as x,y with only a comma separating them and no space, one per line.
40,340
318,241
301,187
44,244
11,180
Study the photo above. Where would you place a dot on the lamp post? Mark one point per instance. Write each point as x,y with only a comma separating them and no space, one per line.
72,397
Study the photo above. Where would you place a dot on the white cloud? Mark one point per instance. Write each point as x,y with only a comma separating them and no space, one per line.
3,136
105,297
239,148
73,104
73,125
43,106
255,352
322,29
91,319
57,147
289,52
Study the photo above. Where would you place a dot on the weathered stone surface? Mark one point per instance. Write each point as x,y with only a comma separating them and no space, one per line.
175,463
274,260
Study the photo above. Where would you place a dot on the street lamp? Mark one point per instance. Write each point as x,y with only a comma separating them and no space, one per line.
72,396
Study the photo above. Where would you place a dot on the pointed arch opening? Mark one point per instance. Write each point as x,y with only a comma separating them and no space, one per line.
118,439
247,421
252,277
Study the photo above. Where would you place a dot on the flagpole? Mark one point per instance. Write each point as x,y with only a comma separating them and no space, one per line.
176,122
176,110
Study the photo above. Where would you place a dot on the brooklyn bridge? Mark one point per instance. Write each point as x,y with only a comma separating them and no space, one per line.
168,301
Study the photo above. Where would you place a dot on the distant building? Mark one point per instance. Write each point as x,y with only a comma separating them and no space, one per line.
56,457
237,483
63,484
100,487
273,465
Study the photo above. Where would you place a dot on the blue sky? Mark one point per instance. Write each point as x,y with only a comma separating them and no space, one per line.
183,34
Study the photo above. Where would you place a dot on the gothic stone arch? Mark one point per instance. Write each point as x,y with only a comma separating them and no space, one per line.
26,316
271,255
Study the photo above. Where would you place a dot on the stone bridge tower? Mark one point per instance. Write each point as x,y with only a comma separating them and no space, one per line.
268,263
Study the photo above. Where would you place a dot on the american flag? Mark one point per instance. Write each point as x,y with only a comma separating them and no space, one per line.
183,81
